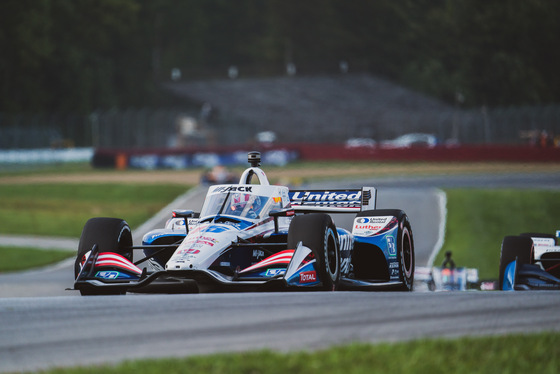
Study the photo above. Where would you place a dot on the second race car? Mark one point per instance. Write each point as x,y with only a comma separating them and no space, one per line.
251,237
530,261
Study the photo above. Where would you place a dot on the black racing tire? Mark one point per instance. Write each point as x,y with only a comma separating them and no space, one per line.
405,244
110,235
520,247
318,232
405,247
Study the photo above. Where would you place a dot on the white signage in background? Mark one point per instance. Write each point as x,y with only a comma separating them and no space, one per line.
45,156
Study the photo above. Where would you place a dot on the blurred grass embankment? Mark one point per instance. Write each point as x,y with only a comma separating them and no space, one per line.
45,204
22,258
62,209
478,220
538,353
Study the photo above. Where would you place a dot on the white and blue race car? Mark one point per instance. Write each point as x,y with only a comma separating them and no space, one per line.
254,236
530,261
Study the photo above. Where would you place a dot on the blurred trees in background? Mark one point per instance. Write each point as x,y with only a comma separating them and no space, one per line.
80,55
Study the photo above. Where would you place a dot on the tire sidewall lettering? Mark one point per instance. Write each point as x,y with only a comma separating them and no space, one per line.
329,233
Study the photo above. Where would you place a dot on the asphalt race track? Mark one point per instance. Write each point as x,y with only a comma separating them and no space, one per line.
62,331
51,327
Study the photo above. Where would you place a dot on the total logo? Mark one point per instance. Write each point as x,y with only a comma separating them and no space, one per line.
308,277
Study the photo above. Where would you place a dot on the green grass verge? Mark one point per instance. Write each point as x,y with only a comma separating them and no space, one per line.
20,258
63,209
536,353
478,220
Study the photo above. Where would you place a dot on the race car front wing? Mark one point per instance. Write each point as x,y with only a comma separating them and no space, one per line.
521,277
118,277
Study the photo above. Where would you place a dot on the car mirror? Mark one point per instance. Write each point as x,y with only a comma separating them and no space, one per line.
184,214
280,213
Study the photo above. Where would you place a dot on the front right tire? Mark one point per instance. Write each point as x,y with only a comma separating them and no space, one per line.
404,243
318,232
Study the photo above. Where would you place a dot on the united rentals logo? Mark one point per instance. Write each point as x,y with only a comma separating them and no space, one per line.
369,226
372,220
350,199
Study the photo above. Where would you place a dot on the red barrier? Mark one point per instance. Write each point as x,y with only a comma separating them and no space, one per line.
317,152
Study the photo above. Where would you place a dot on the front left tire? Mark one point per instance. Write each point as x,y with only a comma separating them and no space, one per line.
110,235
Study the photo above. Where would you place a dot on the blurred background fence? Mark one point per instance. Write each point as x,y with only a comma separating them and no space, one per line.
179,128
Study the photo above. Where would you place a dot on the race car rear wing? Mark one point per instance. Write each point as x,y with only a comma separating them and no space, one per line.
334,201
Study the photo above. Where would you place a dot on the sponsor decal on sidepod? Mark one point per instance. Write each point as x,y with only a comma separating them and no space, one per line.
369,226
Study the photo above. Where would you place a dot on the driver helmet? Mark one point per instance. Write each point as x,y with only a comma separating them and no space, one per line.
239,201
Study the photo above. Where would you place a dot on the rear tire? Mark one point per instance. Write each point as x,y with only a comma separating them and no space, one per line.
520,247
318,232
405,244
110,235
